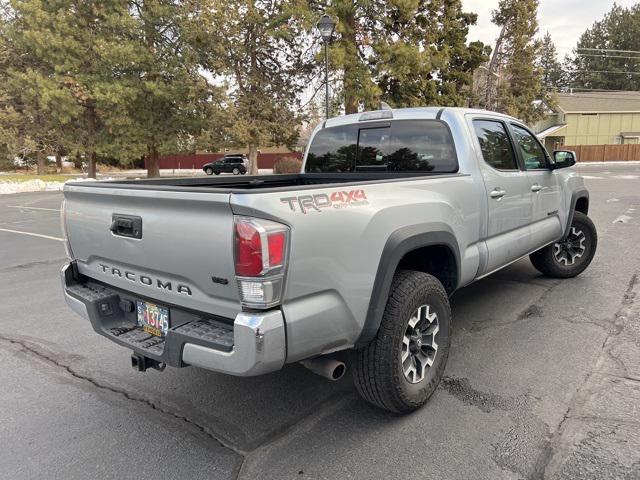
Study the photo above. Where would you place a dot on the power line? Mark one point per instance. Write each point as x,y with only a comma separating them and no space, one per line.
609,50
606,71
598,90
606,56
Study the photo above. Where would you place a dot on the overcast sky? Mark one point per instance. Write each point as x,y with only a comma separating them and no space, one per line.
564,19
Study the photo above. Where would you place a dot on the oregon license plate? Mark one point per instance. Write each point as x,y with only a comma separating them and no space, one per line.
153,319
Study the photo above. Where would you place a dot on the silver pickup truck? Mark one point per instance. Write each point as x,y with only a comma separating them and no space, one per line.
395,211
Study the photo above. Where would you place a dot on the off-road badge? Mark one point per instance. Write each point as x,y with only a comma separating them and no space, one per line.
318,201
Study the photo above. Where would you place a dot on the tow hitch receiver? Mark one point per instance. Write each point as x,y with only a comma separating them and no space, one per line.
142,363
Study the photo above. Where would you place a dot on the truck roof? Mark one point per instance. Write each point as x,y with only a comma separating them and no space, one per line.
416,113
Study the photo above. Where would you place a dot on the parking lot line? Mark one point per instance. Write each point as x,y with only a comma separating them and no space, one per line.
32,234
34,208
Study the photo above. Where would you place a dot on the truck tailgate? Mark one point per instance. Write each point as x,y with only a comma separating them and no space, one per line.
185,253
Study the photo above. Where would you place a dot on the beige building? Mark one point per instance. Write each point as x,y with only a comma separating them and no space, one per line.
592,118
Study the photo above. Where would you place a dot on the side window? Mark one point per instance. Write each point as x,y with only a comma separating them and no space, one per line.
333,150
495,145
407,146
532,152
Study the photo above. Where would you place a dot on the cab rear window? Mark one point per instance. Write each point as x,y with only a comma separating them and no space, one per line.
398,146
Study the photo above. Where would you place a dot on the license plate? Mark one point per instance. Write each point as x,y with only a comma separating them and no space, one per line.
152,318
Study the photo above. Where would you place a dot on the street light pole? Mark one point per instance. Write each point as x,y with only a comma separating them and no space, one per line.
325,26
326,79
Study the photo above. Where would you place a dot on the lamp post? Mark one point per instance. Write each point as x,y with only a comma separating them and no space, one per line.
325,26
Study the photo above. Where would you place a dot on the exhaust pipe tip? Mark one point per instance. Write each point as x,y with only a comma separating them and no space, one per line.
339,371
328,368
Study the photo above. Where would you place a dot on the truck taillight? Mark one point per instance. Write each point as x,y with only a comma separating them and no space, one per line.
260,260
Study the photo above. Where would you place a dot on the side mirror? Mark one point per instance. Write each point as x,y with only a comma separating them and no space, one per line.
563,159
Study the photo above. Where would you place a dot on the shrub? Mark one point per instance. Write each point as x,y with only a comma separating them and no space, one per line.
287,165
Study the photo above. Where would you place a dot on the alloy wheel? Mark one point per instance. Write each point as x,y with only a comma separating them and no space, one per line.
571,248
419,345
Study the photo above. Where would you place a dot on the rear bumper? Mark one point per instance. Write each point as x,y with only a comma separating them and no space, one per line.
254,344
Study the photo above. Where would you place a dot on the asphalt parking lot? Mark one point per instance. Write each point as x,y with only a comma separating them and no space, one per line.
543,380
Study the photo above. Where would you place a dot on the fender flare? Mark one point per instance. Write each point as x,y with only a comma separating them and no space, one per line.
575,196
399,243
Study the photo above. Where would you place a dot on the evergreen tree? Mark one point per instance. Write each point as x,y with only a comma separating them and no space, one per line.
168,98
112,78
66,55
514,61
259,47
28,96
404,53
601,60
547,62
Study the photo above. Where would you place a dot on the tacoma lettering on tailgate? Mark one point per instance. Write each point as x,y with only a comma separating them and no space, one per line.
145,279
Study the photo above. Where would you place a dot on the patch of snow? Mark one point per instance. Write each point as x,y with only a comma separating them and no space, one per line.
622,219
37,185
616,162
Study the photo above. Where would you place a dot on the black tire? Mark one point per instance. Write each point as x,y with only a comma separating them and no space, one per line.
235,171
217,173
556,260
378,368
208,171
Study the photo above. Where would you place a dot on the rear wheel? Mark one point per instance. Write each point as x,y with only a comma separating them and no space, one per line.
402,366
236,171
208,171
571,255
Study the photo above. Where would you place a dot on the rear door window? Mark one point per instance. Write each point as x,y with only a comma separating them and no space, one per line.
495,144
400,146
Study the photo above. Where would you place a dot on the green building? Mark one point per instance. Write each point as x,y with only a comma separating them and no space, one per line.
592,118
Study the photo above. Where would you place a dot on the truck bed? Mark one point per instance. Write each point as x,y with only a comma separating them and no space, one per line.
259,184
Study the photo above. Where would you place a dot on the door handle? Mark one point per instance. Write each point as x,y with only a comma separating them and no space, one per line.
536,188
497,193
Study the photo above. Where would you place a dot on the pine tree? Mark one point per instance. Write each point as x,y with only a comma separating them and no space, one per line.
514,61
259,46
547,62
596,65
63,78
29,97
404,53
168,98
112,78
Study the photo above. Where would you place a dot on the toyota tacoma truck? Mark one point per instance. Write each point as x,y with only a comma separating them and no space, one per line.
393,212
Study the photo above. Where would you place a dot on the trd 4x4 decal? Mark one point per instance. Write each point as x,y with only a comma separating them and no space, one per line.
318,201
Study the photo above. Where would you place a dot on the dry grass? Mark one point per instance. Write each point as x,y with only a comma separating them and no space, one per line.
287,165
